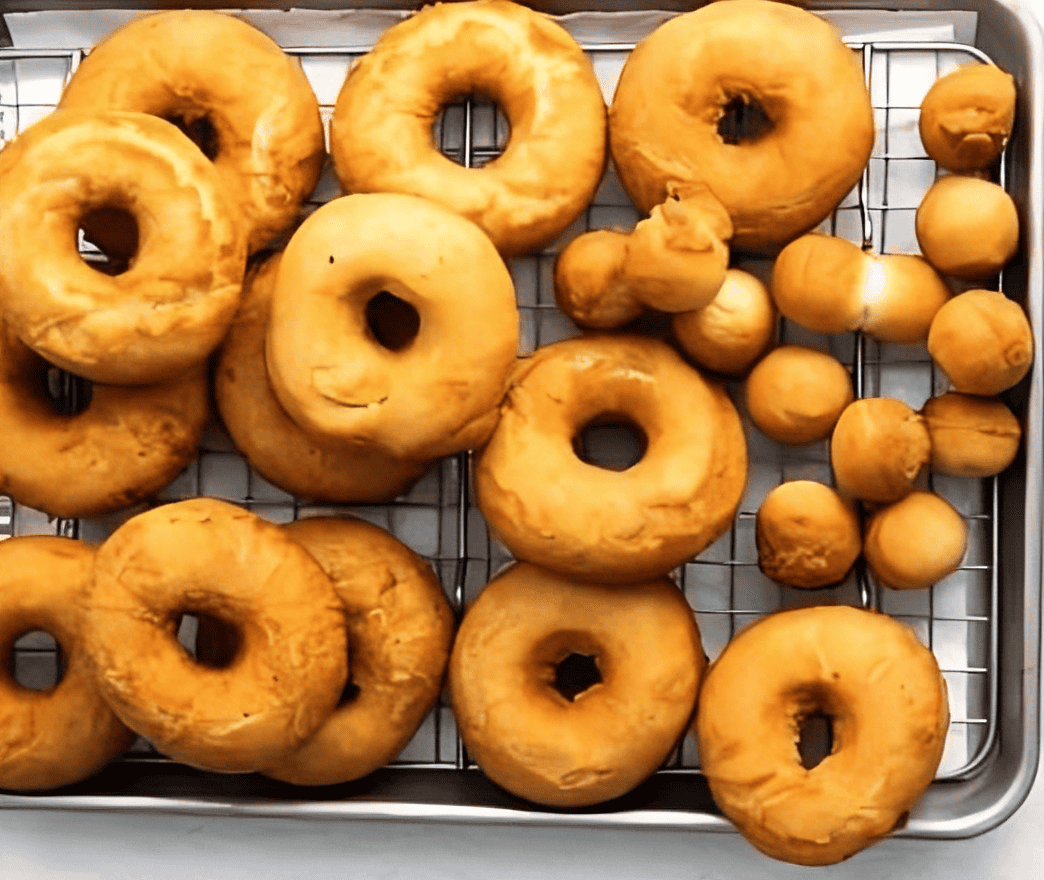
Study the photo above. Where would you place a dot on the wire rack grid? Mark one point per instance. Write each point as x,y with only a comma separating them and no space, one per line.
957,618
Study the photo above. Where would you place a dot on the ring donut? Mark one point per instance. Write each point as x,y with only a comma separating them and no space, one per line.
400,627
531,739
270,440
161,317
258,119
887,704
124,447
551,507
676,87
210,558
68,733
381,130
428,396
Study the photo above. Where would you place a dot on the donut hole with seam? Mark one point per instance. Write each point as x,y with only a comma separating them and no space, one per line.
611,441
743,120
392,321
36,661
112,230
575,674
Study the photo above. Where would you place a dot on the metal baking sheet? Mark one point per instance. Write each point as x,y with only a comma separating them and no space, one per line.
982,622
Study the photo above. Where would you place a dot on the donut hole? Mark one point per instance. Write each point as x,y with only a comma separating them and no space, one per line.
37,662
349,694
471,130
69,394
815,738
200,130
108,239
743,121
575,674
393,322
612,442
211,641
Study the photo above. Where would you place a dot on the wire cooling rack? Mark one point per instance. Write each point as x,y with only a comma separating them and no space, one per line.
957,617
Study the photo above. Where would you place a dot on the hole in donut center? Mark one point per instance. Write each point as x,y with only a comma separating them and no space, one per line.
200,131
37,662
393,322
69,394
576,674
612,442
350,692
211,641
471,131
108,239
743,121
815,739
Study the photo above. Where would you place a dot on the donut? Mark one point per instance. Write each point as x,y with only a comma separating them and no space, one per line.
915,542
67,733
513,713
971,436
675,260
426,393
681,81
878,449
550,507
733,330
270,440
983,342
206,557
886,701
807,535
966,117
126,445
796,394
400,627
967,227
162,316
257,120
381,130
830,285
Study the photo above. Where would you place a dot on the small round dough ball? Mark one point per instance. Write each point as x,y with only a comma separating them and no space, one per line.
901,297
971,436
966,117
967,227
915,542
589,282
732,332
807,535
983,342
818,280
878,449
796,394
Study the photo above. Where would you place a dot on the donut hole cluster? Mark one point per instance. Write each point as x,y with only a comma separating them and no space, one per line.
743,121
392,321
575,674
113,232
36,661
611,441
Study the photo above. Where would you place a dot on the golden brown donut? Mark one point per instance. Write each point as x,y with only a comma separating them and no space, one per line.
67,733
733,330
400,627
971,436
878,449
983,342
796,394
380,133
126,445
966,117
206,557
257,119
164,315
530,738
830,285
432,395
886,700
552,508
915,542
967,227
675,260
679,81
270,440
807,535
